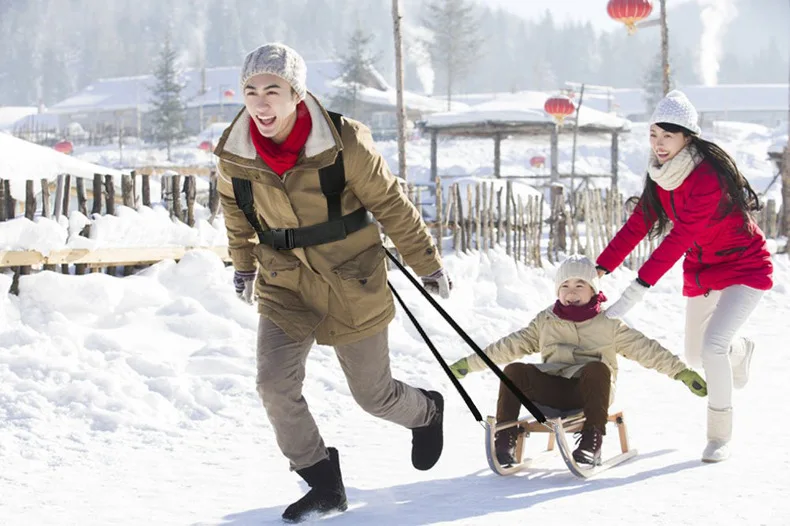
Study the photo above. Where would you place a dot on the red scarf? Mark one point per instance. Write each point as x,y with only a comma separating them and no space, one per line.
283,157
579,313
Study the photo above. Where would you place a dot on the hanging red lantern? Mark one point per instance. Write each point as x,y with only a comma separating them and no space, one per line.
559,107
229,93
537,161
629,12
64,147
206,146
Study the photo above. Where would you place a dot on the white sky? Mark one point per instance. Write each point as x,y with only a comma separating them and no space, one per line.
592,10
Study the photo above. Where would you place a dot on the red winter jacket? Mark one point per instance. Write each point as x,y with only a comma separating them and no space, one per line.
720,251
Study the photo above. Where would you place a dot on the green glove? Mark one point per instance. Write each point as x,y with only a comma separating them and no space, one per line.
460,368
693,381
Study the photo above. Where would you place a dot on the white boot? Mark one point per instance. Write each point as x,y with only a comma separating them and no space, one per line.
741,358
719,435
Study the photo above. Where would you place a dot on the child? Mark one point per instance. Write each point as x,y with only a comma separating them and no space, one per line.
579,346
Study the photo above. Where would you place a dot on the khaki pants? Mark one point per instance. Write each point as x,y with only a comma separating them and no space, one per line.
589,391
366,365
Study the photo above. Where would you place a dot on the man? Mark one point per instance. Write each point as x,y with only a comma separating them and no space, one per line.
322,275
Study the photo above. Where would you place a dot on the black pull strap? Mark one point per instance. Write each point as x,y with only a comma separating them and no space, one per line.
467,399
242,191
526,402
333,178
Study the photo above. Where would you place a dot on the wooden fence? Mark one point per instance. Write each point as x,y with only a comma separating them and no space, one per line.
473,217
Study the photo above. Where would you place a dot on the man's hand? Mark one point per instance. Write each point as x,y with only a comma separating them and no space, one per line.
438,283
244,283
632,295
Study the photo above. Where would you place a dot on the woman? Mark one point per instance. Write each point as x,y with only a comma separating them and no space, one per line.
696,186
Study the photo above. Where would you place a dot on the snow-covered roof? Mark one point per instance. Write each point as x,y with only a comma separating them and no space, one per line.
11,114
23,160
524,107
707,99
129,93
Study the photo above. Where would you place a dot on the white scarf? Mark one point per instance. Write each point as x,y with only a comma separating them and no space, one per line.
672,173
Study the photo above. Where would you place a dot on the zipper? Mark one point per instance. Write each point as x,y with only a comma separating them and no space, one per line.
672,203
699,253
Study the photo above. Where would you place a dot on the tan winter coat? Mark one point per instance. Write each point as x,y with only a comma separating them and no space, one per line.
566,346
339,290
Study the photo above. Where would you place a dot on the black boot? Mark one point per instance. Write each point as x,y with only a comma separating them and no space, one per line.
589,447
327,493
505,446
427,441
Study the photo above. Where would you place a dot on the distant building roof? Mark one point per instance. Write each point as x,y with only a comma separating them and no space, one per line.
707,99
519,109
124,93
10,114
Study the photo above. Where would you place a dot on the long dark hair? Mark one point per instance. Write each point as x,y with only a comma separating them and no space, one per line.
737,192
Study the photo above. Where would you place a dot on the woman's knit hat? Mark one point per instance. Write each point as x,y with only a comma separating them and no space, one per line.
577,267
277,59
677,109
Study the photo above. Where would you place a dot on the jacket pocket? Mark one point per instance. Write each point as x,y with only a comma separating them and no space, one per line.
278,268
363,285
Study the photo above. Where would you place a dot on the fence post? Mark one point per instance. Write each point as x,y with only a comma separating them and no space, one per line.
97,194
439,215
46,207
109,188
190,188
147,190
127,190
178,211
3,208
213,196
30,200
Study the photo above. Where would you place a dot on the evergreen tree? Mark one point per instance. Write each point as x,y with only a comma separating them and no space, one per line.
168,108
653,84
456,42
357,65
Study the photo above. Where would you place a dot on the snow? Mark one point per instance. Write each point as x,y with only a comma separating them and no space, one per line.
10,114
132,401
21,160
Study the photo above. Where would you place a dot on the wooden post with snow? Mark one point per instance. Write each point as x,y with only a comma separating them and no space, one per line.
213,196
127,190
97,194
190,189
30,200
439,215
82,201
109,188
46,207
175,190
508,220
66,194
146,190
3,207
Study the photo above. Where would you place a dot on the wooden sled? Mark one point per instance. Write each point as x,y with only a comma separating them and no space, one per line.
558,423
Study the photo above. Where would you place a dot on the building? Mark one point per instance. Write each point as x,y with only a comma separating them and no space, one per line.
212,95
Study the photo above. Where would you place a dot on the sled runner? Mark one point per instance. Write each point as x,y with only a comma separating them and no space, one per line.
558,423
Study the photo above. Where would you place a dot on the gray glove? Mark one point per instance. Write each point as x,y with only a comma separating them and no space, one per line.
244,283
438,283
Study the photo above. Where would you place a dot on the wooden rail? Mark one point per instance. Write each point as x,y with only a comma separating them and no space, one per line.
101,257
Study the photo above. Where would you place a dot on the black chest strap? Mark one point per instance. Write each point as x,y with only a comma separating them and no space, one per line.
338,226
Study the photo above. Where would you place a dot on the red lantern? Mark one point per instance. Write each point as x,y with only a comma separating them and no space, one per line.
559,107
64,147
629,12
206,146
538,161
229,93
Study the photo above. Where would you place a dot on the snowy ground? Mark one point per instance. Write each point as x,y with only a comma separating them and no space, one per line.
130,401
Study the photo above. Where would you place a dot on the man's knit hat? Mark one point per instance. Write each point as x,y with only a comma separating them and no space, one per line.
277,59
676,108
577,267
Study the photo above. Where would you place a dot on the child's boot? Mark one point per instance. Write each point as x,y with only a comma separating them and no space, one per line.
505,446
589,446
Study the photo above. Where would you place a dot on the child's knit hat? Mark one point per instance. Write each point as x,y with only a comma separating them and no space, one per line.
578,267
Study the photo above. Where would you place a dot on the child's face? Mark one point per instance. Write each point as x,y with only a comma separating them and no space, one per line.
575,292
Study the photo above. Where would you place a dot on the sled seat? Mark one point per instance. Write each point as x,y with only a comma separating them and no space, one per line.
571,420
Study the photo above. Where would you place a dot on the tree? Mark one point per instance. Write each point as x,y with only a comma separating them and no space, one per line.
456,42
168,108
356,71
653,84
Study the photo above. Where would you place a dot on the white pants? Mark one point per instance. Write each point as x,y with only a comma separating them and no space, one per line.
711,323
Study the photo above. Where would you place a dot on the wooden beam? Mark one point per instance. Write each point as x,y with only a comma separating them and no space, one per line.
102,256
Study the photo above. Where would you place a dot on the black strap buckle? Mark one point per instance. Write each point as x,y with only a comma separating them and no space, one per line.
282,238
